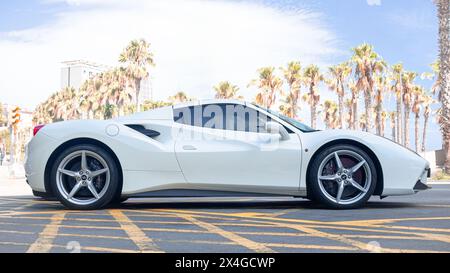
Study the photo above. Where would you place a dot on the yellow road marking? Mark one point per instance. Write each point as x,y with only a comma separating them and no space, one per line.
17,232
315,233
44,241
255,219
255,246
89,248
144,243
296,246
135,221
238,232
385,221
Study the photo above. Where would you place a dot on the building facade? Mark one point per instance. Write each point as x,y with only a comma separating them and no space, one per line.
75,73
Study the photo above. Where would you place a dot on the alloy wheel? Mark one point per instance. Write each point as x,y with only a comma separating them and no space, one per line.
344,177
83,177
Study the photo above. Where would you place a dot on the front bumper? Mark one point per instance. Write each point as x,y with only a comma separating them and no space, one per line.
421,184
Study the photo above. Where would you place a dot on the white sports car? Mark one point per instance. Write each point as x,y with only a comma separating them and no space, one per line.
215,148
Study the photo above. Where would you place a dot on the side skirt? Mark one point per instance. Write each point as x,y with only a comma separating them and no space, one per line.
199,190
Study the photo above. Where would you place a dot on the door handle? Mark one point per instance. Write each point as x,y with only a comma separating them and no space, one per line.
189,148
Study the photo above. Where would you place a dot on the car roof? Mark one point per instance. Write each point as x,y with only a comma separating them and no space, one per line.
209,101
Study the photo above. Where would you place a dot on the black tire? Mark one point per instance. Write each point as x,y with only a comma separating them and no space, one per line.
118,201
114,182
315,190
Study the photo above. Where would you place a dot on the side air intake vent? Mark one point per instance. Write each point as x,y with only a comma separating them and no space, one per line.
141,129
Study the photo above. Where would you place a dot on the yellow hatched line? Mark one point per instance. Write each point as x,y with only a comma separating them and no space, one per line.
386,221
144,243
173,230
294,246
308,230
90,248
45,240
135,221
255,246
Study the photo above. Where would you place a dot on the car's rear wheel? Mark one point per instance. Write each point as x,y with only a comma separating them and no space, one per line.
342,177
85,177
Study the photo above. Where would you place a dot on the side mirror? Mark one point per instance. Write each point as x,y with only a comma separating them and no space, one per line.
276,128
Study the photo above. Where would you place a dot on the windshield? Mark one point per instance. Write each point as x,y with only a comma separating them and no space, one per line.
297,124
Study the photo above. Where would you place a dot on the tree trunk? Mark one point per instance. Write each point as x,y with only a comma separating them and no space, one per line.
378,121
394,137
350,118
341,107
138,91
355,120
416,132
313,116
444,76
312,98
341,112
406,127
368,104
398,135
424,136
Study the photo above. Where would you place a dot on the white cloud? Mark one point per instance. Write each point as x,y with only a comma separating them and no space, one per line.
196,44
374,2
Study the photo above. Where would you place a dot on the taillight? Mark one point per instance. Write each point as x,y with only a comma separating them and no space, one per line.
37,128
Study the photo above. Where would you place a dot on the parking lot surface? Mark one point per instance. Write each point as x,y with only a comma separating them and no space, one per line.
419,223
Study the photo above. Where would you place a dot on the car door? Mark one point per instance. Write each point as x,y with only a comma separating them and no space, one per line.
227,144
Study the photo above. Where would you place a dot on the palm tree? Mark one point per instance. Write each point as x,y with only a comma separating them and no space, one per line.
312,78
408,91
293,77
289,106
393,117
330,114
384,116
397,89
338,76
120,93
179,97
367,62
109,111
444,76
138,58
362,122
354,102
2,116
149,105
426,104
226,90
380,84
418,94
269,86
434,75
349,116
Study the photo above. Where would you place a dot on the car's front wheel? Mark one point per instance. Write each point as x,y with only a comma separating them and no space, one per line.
85,177
342,177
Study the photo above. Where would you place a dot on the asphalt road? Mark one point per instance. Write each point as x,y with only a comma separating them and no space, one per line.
419,223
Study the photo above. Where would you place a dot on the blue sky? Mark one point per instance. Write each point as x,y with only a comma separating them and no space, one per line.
400,30
198,43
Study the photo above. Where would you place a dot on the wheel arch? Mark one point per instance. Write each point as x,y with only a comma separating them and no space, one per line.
71,143
380,183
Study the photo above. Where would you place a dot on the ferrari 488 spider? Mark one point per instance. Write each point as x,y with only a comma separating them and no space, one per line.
215,148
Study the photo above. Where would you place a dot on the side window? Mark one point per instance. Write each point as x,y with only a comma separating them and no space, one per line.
224,117
182,115
249,120
188,115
